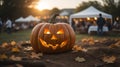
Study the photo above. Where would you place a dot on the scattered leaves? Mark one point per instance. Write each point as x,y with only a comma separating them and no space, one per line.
96,41
109,59
80,59
84,50
28,48
15,49
19,65
35,55
3,57
14,58
117,44
77,48
84,40
90,41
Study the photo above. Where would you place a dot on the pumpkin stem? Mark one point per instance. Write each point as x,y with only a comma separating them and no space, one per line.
52,19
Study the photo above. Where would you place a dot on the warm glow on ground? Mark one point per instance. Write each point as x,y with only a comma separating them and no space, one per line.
41,5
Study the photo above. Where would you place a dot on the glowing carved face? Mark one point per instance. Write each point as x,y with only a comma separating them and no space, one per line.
53,39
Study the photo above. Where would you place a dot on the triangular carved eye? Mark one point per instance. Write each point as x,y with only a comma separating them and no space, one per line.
60,31
47,31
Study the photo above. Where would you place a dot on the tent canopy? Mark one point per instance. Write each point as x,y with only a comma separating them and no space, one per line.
64,13
89,12
31,18
27,19
21,19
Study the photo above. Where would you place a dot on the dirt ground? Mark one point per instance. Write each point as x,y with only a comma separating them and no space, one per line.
93,54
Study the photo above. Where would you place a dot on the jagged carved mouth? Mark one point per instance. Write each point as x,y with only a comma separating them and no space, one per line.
54,47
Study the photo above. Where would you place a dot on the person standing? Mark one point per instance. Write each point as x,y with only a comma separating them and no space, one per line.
73,25
100,22
9,26
109,25
0,25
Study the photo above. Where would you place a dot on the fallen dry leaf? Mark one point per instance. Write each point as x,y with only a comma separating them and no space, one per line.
117,44
109,59
15,49
84,40
3,57
80,59
4,45
13,43
35,55
19,65
28,48
19,46
14,58
90,41
77,48
84,50
96,41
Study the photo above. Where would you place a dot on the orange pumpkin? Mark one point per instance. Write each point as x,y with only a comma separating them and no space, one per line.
52,38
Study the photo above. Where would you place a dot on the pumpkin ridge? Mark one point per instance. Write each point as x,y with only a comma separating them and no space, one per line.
68,36
72,34
33,38
41,35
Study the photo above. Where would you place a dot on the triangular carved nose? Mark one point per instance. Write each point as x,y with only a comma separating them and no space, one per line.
53,37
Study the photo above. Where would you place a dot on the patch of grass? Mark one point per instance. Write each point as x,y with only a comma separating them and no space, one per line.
95,36
24,35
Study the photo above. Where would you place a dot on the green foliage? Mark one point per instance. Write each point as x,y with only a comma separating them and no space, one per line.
54,10
24,35
112,7
85,5
15,8
109,6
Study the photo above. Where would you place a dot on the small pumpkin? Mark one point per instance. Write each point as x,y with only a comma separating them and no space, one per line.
52,38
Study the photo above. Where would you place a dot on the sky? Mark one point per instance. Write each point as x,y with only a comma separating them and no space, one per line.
61,4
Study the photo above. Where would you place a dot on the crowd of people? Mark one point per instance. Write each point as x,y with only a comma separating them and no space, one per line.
78,25
7,24
10,26
84,24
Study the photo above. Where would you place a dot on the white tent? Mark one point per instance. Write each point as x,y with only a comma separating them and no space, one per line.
89,12
21,19
64,13
31,18
27,19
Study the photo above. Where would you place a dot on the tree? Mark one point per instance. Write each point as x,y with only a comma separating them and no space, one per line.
54,10
15,8
85,5
112,7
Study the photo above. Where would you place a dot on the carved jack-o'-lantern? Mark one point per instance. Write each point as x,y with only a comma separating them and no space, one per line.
52,38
